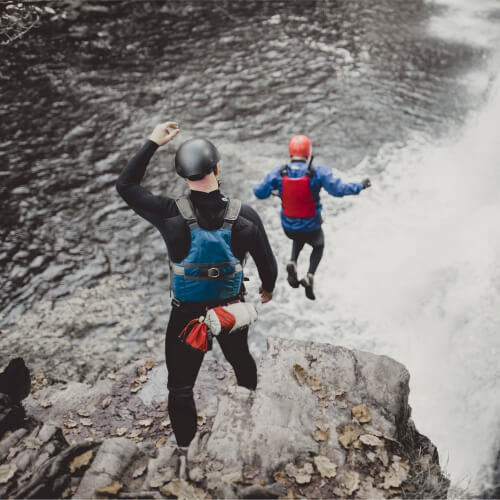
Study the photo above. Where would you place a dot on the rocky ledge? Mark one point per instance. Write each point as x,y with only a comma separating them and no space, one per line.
324,422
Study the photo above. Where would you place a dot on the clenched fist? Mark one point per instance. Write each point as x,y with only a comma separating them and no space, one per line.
164,132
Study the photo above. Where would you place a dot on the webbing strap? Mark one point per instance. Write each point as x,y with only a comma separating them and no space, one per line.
210,273
186,209
232,210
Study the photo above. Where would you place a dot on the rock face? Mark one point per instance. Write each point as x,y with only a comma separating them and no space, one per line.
324,422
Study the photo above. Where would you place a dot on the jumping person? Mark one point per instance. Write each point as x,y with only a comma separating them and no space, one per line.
299,184
207,237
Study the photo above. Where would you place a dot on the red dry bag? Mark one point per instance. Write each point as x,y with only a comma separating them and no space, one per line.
296,197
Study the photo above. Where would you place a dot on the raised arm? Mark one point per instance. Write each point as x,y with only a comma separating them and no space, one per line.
335,186
129,181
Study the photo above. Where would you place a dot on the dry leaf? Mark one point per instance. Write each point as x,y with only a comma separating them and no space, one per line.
325,467
106,402
135,387
150,364
83,413
111,489
70,424
314,383
182,490
396,474
341,403
302,475
370,440
165,423
139,472
348,434
63,387
220,376
232,477
362,413
351,482
339,393
121,431
80,461
7,472
201,420
141,370
320,434
383,456
300,374
323,403
142,379
135,433
369,429
112,375
86,422
49,10
160,442
146,422
45,403
278,476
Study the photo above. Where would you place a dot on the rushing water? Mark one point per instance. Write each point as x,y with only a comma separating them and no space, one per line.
406,92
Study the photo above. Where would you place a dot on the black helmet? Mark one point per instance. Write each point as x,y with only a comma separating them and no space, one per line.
196,158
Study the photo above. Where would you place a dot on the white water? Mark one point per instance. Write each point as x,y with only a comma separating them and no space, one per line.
412,269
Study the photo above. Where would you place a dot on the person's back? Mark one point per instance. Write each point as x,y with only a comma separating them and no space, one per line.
207,237
299,183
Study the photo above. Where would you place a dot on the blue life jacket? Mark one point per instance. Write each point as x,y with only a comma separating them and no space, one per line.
210,272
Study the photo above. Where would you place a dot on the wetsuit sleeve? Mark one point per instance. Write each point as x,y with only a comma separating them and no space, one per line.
334,185
270,182
146,204
260,250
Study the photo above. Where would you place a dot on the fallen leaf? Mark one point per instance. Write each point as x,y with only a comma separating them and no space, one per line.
112,375
141,370
348,434
232,477
49,10
201,420
278,476
45,403
320,434
300,374
393,477
220,376
339,393
7,472
142,379
314,383
370,440
111,489
135,387
35,395
196,474
290,494
369,429
63,387
341,403
351,482
165,423
182,490
139,472
121,431
323,403
86,422
150,364
361,413
135,433
146,422
80,461
160,442
383,456
83,413
106,402
325,467
302,475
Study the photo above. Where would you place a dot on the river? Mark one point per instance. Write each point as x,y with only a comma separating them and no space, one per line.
405,92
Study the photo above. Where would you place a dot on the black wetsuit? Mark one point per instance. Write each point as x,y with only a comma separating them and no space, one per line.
248,236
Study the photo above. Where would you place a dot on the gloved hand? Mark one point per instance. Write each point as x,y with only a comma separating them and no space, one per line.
366,183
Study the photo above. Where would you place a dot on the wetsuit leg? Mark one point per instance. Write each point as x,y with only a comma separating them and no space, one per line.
235,349
297,247
183,364
317,241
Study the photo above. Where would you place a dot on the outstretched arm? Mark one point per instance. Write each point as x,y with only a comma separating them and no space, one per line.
335,186
128,185
270,182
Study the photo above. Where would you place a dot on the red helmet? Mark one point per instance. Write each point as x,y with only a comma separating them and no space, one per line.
300,145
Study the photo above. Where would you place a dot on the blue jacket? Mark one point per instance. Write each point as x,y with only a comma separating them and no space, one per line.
322,178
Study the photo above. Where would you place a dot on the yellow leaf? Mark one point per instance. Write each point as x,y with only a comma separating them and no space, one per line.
348,434
111,489
362,413
325,467
80,461
351,482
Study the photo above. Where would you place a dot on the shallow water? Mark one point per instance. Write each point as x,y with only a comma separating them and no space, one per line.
403,91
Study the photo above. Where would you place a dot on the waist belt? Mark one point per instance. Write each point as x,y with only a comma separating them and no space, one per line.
207,272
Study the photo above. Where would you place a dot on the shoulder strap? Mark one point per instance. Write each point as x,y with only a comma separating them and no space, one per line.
233,208
187,211
283,170
310,170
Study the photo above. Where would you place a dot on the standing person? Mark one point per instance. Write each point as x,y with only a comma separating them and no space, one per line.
299,184
207,238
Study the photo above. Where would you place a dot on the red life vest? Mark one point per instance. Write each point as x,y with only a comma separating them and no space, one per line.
297,199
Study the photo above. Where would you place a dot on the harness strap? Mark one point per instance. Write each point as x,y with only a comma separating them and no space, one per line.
232,212
207,273
187,211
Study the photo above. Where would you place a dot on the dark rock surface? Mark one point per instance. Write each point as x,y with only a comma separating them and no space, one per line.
324,422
